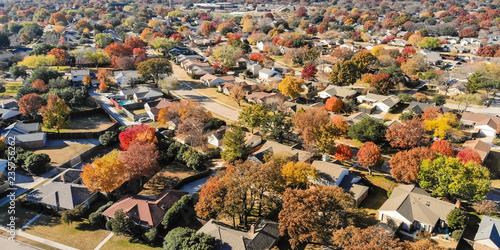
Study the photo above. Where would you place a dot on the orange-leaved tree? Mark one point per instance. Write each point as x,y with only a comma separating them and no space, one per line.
334,104
343,152
105,174
30,104
443,147
369,156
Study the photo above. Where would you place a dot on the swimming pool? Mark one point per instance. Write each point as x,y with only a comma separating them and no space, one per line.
125,102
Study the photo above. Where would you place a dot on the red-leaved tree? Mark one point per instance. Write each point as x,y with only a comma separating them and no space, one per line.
343,152
136,42
59,54
443,147
406,164
431,113
469,154
369,156
142,132
40,85
140,159
408,51
309,72
30,104
334,104
407,134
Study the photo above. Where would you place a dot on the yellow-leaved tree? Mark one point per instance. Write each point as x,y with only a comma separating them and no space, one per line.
291,86
442,124
104,174
299,173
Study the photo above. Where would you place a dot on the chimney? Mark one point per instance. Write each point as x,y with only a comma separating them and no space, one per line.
63,177
457,204
324,157
56,194
252,229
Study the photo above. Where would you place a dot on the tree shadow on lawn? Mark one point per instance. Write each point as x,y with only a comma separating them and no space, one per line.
85,226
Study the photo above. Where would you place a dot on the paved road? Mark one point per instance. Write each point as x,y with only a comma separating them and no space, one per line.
15,245
104,102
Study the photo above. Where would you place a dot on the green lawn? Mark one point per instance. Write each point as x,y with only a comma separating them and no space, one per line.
11,89
122,242
77,234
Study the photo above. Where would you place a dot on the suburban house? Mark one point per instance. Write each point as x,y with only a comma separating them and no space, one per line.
9,110
144,211
215,137
261,236
265,74
212,80
418,107
487,125
254,68
333,174
251,140
153,108
338,91
125,77
258,97
27,135
66,191
141,93
182,58
78,74
482,148
371,101
411,207
272,147
487,235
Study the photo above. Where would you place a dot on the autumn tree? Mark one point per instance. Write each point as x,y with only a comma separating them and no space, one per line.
382,83
291,86
468,32
211,198
407,134
104,77
237,93
334,104
60,56
87,80
431,113
56,113
309,72
442,124
252,116
298,174
405,165
369,156
307,122
449,177
362,60
40,85
469,154
135,42
312,215
343,152
30,104
487,207
369,238
58,18
105,174
344,73
155,68
98,57
142,132
408,51
207,28
140,159
325,136
442,146
233,144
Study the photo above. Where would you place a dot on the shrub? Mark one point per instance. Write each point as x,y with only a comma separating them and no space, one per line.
487,207
405,97
108,138
96,219
121,223
151,235
108,225
173,213
457,234
457,219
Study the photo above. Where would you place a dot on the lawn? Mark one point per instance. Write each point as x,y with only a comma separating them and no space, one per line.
168,177
493,164
122,242
94,123
23,215
77,234
11,89
61,154
212,92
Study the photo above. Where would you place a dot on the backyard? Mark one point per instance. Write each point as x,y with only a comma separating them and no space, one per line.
90,123
493,164
62,153
11,89
166,178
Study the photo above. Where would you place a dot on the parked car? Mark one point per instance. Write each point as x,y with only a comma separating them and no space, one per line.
144,120
94,85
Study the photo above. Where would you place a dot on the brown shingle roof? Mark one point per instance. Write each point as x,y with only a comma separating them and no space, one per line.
479,146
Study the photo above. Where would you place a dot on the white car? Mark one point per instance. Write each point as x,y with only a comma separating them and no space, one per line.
144,120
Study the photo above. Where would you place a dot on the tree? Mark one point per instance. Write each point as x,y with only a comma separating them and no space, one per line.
312,215
237,93
362,60
443,147
233,144
438,99
103,40
227,54
469,154
116,50
344,73
162,44
449,177
468,32
277,126
105,174
487,207
368,130
457,219
334,104
108,138
18,71
35,163
155,68
369,156
183,238
57,18
291,86
207,28
326,135
407,134
60,56
142,132
174,212
38,61
211,198
429,43
30,104
56,113
405,165
40,85
431,113
442,124
473,82
307,123
369,238
135,42
87,80
409,51
382,83
299,174
121,223
309,72
343,152
252,116
140,159
98,57
248,26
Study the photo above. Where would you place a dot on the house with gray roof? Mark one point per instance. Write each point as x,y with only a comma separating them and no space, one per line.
378,102
9,110
272,147
411,207
338,91
262,235
141,94
27,135
333,174
66,191
488,236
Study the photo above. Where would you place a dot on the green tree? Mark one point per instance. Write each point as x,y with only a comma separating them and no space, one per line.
18,72
227,54
368,130
277,126
36,163
183,238
457,219
252,116
233,144
473,83
103,40
429,43
344,73
121,223
56,113
162,44
174,212
108,138
438,99
155,68
98,57
448,177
